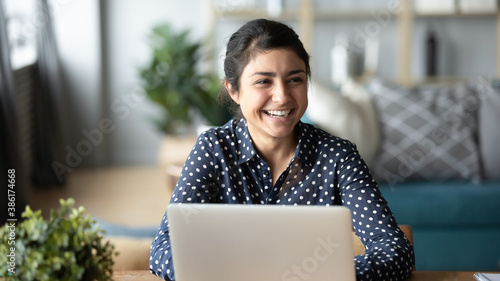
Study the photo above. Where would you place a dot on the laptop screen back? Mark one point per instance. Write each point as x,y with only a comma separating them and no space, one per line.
261,242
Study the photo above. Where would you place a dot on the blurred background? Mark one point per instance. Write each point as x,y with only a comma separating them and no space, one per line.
86,84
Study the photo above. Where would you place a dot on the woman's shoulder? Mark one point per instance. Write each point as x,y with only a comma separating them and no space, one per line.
322,138
227,134
225,131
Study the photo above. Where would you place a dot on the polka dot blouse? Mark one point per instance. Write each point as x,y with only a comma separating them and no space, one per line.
223,167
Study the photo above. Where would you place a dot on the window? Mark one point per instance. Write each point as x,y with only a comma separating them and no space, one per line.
21,29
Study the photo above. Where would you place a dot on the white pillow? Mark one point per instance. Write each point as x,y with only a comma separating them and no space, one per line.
489,134
349,114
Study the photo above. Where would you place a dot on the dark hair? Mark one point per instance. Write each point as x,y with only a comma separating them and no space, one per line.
253,38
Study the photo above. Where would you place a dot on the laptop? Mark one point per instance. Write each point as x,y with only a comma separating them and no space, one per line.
236,242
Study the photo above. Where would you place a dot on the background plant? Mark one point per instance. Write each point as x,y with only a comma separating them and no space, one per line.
68,246
173,80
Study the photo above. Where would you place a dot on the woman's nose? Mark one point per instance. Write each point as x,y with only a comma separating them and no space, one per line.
280,93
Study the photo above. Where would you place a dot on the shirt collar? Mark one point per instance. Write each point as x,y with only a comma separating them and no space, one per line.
305,148
246,150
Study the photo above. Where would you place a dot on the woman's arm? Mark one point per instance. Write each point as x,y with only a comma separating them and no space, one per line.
196,184
389,255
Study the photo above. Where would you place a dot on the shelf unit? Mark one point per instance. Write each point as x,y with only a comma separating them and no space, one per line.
306,15
406,19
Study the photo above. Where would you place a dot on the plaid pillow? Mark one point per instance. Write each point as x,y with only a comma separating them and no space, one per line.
428,133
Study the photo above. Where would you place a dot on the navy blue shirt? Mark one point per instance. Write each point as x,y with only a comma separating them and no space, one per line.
224,167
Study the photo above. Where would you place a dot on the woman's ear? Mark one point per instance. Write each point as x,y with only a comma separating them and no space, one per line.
232,93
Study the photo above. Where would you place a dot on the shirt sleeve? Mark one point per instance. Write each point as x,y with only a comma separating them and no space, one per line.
389,255
195,185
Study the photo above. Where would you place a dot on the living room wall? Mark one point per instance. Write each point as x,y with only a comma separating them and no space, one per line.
103,42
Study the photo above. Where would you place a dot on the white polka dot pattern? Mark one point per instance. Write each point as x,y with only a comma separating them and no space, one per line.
223,167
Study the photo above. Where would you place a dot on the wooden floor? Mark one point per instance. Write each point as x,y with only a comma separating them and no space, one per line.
130,196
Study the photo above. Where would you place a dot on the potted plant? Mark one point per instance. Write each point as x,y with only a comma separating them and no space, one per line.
173,80
68,246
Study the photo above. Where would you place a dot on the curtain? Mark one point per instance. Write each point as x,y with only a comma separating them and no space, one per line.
48,147
9,159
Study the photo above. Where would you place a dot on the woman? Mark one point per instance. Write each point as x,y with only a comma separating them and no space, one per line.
268,156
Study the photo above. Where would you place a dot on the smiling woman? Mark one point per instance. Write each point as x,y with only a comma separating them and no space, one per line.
268,156
273,97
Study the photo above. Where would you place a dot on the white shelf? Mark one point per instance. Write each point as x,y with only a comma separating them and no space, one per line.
454,15
248,14
307,15
348,15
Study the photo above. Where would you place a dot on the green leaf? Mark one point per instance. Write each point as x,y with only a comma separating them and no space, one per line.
173,80
64,247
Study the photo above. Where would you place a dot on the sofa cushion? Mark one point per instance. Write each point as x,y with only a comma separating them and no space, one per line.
444,204
489,132
428,133
348,114
457,249
133,253
131,243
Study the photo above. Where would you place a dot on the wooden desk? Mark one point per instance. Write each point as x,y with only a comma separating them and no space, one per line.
130,275
416,276
442,276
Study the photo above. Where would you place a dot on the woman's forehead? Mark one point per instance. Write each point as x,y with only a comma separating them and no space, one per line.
274,61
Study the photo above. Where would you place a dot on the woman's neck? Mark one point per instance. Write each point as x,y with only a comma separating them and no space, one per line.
277,152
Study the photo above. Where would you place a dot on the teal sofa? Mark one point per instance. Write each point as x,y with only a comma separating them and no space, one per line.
439,169
434,149
456,224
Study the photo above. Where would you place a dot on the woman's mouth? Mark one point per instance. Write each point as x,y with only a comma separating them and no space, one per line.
278,113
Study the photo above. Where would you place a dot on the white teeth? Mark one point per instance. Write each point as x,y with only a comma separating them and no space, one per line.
278,113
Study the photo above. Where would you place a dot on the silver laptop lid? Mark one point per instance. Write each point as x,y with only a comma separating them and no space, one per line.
261,242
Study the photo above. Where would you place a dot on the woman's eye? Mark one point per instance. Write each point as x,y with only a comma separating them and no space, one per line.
296,80
264,81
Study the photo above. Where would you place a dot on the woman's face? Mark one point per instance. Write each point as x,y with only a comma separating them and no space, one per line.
272,94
